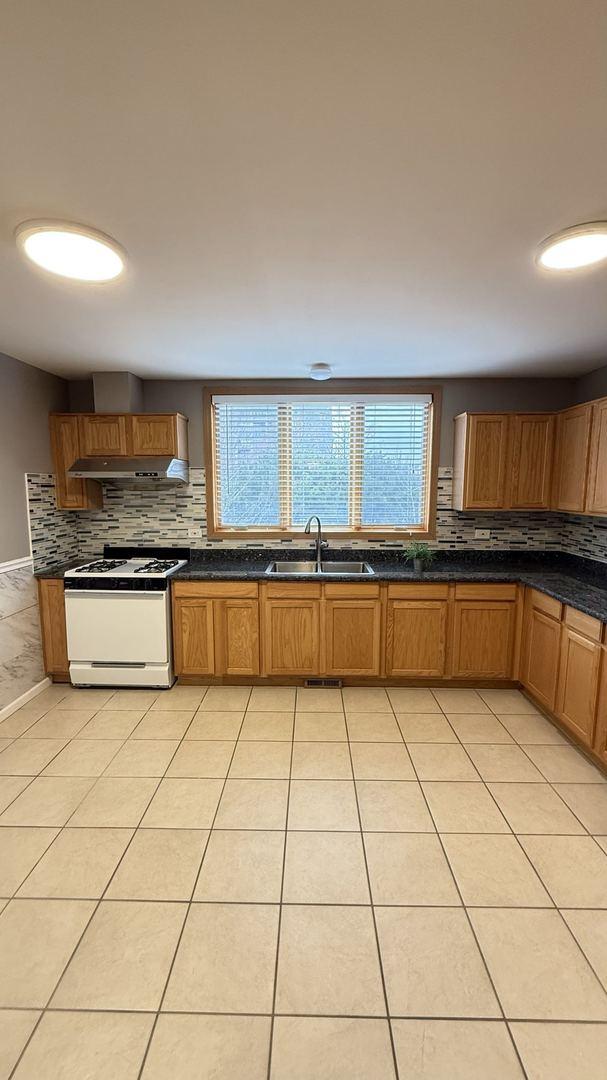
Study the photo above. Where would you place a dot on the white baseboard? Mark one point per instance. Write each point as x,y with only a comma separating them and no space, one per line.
24,698
15,564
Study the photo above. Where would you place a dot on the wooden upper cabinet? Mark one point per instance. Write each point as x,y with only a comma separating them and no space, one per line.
596,494
353,636
51,602
480,460
66,448
416,635
162,434
578,688
103,435
531,454
573,429
483,639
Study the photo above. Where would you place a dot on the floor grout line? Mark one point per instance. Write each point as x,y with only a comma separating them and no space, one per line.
373,916
188,909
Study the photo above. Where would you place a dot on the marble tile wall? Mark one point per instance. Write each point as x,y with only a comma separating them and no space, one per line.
20,647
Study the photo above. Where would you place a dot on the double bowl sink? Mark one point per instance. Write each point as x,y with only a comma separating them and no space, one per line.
344,569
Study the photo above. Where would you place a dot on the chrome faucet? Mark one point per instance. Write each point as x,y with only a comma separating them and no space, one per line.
320,543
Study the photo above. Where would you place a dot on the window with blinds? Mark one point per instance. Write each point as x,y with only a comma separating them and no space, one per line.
362,463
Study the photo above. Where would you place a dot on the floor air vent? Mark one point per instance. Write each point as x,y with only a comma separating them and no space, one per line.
323,682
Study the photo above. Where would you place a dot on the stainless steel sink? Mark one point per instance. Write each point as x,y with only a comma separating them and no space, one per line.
349,569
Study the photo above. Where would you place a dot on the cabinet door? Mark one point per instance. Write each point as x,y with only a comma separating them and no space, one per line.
485,468
51,601
155,434
532,446
291,637
540,669
104,436
71,494
483,639
578,687
600,736
416,637
571,463
236,637
352,637
193,637
596,498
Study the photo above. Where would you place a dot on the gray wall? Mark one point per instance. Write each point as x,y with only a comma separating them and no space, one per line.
27,395
480,395
593,385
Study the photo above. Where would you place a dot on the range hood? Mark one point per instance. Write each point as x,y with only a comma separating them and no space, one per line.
168,470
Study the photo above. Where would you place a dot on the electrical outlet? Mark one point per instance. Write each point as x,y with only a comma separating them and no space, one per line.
482,534
195,533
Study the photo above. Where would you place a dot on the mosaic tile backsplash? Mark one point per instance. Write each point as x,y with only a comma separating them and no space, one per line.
153,515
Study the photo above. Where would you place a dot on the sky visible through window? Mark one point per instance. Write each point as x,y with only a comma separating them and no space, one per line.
355,464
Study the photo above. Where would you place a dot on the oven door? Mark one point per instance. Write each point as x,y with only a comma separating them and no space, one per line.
117,627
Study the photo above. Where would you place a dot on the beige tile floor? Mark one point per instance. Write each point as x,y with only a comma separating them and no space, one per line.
248,884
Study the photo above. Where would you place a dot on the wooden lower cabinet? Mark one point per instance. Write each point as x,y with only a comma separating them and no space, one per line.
416,638
51,601
600,734
578,684
193,636
540,661
236,637
352,637
291,636
483,639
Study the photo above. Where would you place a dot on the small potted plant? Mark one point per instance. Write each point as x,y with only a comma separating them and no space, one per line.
420,555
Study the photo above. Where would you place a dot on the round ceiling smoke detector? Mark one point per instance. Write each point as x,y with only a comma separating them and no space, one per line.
71,251
574,248
320,372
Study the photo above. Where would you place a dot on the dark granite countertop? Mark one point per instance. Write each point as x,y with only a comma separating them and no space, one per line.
568,578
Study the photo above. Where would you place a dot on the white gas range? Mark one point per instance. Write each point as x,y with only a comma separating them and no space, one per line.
118,616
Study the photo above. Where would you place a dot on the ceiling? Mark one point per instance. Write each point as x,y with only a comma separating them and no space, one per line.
358,182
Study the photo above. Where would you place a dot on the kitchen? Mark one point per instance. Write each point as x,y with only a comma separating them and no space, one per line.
303,606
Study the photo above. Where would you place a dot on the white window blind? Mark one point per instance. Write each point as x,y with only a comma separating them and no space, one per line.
359,462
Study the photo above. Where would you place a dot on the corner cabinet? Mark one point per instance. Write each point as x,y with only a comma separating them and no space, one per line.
573,429
94,435
484,631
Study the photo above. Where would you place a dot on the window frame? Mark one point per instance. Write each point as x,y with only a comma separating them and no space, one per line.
309,388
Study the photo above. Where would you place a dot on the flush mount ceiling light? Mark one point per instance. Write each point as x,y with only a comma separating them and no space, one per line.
320,372
574,248
71,251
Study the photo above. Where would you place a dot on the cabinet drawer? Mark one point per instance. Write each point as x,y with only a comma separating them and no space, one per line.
416,591
482,591
221,590
584,624
361,591
547,604
287,590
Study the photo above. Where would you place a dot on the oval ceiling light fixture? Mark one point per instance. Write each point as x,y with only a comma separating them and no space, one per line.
71,251
574,248
320,372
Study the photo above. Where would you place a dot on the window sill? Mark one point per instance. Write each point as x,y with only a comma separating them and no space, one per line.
328,534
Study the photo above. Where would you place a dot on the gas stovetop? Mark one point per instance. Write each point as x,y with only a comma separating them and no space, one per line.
126,568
